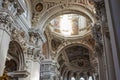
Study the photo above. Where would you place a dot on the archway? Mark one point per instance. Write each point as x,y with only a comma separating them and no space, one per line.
57,11
74,59
15,60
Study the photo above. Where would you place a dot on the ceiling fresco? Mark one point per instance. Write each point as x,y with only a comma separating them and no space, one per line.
69,25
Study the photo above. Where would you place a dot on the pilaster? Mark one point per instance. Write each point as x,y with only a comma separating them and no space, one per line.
48,70
113,12
5,32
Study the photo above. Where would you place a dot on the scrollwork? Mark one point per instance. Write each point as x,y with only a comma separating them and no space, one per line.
38,56
97,35
19,36
6,22
35,39
5,4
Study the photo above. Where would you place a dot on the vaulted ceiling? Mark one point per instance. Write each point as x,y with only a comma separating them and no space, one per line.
46,16
75,59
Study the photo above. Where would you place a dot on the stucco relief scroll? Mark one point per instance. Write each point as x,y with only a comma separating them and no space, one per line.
97,35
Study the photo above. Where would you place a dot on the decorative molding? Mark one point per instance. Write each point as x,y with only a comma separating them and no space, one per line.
61,4
48,69
6,22
13,5
19,36
97,35
20,74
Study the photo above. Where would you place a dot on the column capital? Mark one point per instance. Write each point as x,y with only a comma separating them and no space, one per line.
36,38
39,57
6,4
6,22
18,35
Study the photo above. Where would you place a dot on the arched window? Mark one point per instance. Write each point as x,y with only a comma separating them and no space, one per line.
72,78
82,78
90,78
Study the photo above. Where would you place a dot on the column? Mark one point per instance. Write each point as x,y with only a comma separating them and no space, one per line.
95,76
77,76
48,69
113,12
86,76
101,68
71,75
99,50
63,74
28,63
4,39
66,75
35,72
33,59
109,58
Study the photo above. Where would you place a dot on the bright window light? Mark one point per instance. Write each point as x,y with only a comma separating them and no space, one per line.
82,78
82,22
65,25
69,25
35,76
72,78
90,78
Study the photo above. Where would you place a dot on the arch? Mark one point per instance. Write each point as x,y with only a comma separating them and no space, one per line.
19,54
69,45
57,10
